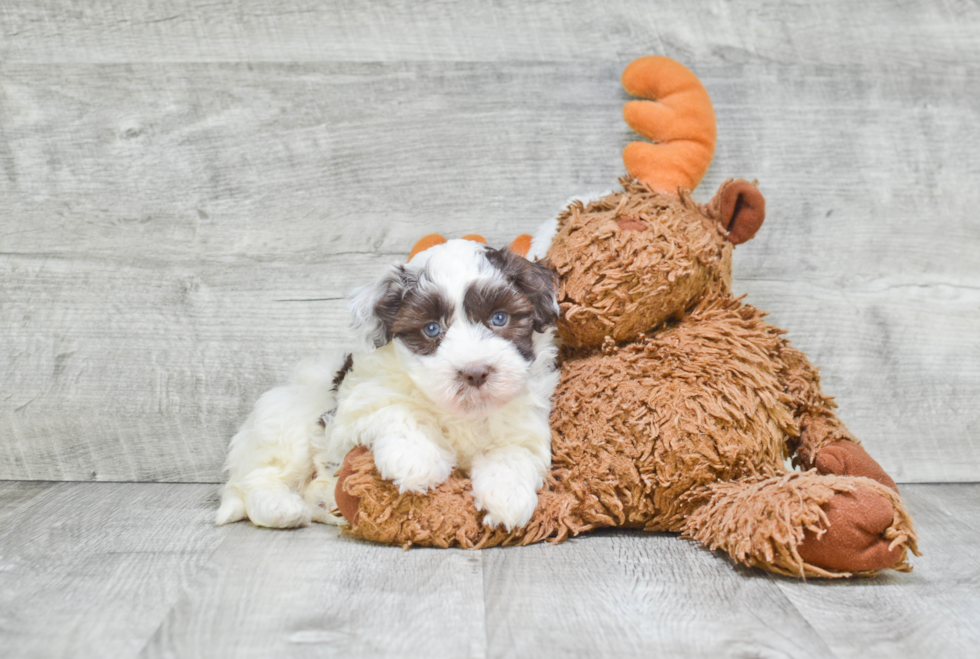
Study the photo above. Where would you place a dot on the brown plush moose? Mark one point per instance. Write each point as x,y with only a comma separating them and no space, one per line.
677,404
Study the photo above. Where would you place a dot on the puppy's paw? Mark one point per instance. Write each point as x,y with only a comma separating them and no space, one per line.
277,509
412,462
505,484
510,508
508,496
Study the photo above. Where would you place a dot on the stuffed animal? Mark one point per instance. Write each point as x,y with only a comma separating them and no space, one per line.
678,404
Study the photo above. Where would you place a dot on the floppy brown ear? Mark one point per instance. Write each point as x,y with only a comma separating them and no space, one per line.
740,208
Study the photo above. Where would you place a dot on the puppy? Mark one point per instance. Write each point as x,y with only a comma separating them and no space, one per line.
457,371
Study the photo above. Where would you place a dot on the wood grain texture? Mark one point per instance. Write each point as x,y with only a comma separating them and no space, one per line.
309,593
190,191
634,594
125,570
932,612
393,30
90,570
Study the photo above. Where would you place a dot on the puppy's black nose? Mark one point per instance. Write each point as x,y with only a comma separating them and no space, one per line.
475,374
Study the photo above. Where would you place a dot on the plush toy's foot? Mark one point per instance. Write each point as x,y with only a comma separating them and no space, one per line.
805,524
855,537
846,458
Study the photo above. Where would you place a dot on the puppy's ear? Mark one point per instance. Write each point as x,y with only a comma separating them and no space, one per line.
535,280
373,308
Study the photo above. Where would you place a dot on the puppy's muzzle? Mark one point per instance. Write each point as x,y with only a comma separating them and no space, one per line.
475,375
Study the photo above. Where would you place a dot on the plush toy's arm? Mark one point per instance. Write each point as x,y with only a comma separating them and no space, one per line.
408,449
813,411
824,441
375,510
446,515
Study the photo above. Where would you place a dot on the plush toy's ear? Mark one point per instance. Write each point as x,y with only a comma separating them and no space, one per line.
740,208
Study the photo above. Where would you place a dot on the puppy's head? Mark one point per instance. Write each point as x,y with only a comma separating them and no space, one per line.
466,320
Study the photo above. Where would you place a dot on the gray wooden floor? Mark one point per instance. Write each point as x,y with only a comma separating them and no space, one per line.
126,570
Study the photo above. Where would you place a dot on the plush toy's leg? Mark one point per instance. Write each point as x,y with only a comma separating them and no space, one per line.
824,442
804,524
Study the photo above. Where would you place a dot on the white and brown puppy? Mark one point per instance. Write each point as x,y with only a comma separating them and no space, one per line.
458,371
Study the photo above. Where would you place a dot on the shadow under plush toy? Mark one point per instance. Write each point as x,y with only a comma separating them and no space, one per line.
677,403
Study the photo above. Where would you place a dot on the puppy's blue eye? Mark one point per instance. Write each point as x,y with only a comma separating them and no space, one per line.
432,330
499,319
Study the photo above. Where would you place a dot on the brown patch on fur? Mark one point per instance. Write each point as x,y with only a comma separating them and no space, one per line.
387,306
342,373
482,300
536,281
419,307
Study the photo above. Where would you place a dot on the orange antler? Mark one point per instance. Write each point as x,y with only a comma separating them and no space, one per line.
433,239
678,117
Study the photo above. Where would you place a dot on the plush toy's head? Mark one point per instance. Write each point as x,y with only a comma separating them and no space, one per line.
634,259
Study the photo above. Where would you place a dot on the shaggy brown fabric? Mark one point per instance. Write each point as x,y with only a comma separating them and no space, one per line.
347,503
774,523
675,410
620,283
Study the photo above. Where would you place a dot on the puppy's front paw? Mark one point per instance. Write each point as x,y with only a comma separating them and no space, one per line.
511,509
412,461
505,485
508,503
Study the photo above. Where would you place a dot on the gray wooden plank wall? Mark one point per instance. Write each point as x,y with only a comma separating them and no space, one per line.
190,190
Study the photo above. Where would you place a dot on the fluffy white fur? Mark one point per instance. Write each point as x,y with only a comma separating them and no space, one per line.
410,409
270,459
